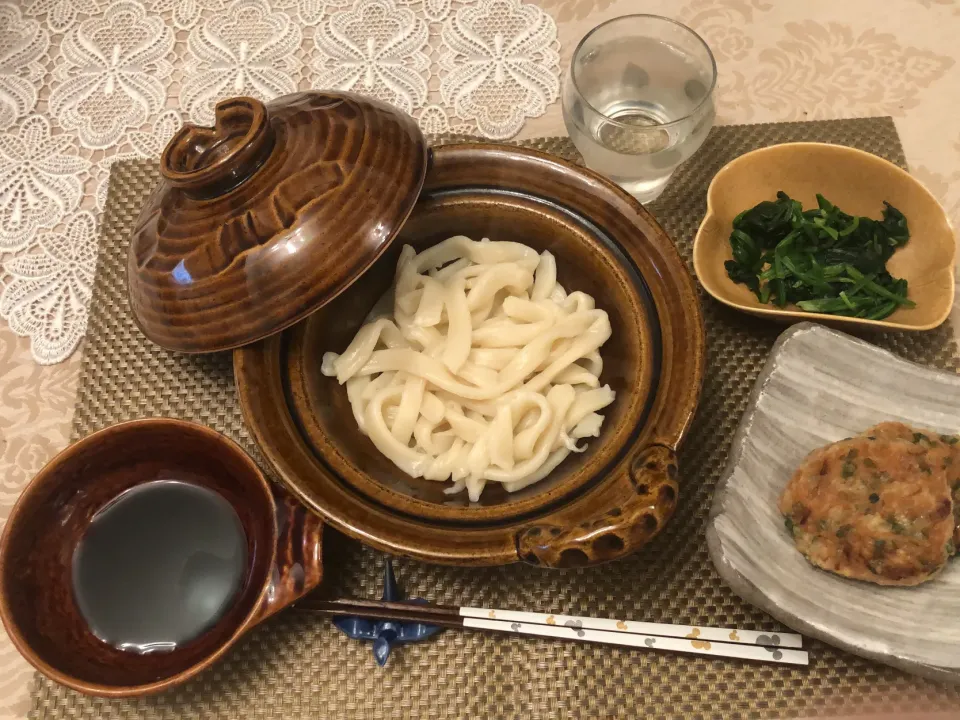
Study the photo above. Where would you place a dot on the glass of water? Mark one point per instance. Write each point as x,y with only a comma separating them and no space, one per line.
638,100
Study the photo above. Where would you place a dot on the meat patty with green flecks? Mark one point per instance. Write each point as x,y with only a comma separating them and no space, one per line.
871,509
942,450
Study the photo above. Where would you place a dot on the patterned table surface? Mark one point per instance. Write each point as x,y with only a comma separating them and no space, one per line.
86,82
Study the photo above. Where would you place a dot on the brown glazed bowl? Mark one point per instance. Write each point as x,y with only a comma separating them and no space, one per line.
600,505
37,603
267,215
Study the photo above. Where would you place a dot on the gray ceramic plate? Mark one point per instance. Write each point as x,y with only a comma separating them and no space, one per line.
820,386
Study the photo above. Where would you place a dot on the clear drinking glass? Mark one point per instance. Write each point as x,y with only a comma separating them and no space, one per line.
638,100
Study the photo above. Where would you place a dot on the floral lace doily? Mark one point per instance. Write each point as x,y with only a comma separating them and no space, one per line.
85,83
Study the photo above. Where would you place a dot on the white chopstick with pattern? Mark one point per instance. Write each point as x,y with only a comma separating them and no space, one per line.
688,632
764,653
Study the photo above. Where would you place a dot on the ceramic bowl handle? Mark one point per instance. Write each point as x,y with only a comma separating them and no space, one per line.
205,162
298,566
635,506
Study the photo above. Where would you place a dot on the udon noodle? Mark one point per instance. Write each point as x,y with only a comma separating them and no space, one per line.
477,366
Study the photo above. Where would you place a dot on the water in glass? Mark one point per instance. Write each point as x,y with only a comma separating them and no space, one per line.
637,100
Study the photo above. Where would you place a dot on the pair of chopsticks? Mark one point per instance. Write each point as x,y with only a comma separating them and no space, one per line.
715,642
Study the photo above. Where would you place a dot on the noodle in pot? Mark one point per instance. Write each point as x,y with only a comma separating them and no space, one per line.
477,366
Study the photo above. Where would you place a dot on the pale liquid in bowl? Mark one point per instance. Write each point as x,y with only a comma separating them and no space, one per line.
159,565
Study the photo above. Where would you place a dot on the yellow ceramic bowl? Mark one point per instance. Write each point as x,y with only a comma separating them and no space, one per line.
858,183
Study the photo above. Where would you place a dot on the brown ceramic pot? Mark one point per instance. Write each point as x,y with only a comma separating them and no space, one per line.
597,506
37,603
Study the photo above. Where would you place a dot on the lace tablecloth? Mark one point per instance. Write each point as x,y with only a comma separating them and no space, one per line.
84,83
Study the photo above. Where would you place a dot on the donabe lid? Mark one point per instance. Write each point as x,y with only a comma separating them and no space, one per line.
268,215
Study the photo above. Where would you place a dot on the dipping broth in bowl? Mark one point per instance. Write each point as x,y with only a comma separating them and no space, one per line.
159,565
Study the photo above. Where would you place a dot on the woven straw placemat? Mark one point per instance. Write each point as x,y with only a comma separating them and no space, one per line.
299,666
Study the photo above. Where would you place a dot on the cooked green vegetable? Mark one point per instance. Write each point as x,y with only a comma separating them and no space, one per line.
822,260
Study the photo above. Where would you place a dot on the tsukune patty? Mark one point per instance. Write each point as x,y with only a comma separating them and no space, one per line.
872,509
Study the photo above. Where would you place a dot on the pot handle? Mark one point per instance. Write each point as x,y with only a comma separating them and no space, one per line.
629,510
298,564
209,161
